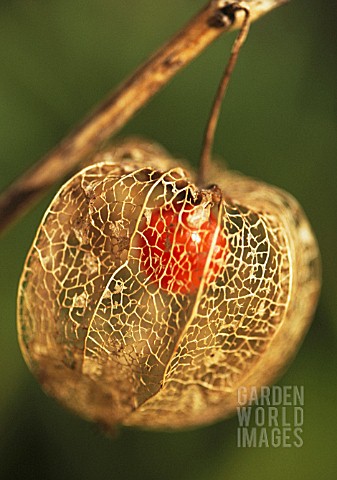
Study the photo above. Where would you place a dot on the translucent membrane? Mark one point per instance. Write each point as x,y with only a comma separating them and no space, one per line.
144,301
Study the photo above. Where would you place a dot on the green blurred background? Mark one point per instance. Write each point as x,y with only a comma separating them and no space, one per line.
58,58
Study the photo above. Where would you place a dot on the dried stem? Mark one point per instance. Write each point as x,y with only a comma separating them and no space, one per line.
205,157
114,112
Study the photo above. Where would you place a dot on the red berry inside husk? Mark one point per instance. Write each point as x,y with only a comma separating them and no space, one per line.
180,245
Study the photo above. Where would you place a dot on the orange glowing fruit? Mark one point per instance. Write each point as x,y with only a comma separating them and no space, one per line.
181,245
